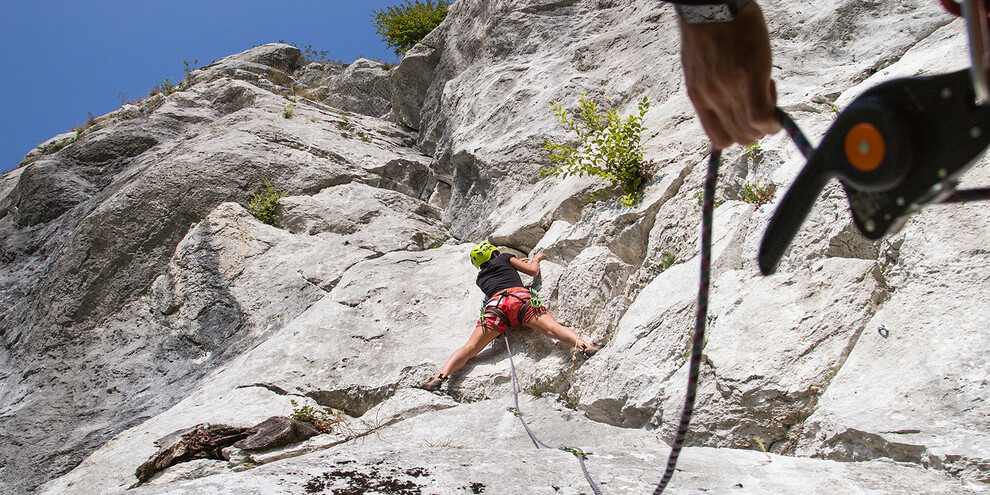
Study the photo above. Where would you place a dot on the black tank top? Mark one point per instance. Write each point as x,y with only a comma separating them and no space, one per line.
498,274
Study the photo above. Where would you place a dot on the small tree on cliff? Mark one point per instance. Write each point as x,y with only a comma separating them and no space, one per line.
402,26
609,148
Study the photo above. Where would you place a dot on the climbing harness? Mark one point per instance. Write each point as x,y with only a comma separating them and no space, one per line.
897,148
580,454
493,306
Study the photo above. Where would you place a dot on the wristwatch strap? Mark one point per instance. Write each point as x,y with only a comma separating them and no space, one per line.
719,12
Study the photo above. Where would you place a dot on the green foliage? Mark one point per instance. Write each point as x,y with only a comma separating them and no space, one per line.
263,204
667,259
287,111
323,418
757,195
309,54
81,131
700,196
541,387
215,429
59,145
753,149
609,148
189,66
402,26
168,87
763,447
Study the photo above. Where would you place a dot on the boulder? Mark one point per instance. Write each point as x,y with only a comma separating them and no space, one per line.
364,88
276,431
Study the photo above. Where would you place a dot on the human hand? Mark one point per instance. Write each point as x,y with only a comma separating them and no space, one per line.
540,257
727,73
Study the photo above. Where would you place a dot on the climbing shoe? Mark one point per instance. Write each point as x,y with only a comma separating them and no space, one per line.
434,383
590,350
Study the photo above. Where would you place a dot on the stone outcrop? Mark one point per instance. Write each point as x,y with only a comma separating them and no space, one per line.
138,297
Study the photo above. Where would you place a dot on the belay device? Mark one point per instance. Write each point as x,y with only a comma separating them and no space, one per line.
898,147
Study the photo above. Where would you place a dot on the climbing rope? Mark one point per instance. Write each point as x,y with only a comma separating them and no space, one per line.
581,455
701,316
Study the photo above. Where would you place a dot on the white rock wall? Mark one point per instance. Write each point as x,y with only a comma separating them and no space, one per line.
365,288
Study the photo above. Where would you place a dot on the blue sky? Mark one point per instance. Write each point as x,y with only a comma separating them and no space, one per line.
65,59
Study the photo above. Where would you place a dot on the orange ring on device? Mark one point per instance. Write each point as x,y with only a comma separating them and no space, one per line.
865,147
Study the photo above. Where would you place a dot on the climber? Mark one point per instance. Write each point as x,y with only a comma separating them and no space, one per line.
507,303
725,55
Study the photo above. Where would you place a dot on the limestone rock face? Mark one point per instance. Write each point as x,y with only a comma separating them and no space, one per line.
139,296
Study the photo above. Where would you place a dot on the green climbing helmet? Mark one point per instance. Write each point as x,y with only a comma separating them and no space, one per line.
481,254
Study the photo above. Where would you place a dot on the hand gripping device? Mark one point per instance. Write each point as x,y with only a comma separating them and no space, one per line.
898,147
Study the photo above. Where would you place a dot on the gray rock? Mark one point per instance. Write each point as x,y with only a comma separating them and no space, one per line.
410,82
277,431
138,297
363,88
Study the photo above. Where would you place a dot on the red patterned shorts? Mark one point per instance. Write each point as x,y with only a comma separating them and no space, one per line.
511,307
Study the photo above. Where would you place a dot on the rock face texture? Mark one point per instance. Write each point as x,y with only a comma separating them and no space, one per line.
139,297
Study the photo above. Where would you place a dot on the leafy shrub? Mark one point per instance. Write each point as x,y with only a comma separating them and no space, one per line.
323,418
609,148
758,195
402,26
167,87
263,204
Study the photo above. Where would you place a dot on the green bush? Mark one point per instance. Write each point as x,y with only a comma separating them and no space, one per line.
403,26
323,418
168,87
758,195
262,204
609,148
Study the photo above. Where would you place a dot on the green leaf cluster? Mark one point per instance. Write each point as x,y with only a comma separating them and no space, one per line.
323,418
168,87
402,26
757,195
263,204
609,147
